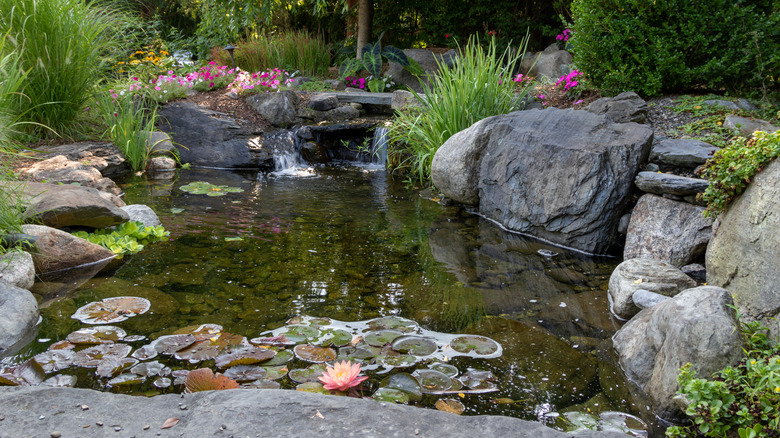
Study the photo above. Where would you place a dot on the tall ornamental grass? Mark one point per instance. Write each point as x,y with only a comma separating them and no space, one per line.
11,77
129,125
59,42
478,86
290,51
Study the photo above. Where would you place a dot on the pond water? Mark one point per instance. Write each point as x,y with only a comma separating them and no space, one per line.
352,243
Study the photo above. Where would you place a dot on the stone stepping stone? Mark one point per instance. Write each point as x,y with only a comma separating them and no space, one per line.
666,183
682,152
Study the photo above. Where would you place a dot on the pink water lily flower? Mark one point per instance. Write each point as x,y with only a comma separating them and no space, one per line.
342,376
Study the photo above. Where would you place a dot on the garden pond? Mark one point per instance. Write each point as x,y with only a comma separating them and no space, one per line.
334,251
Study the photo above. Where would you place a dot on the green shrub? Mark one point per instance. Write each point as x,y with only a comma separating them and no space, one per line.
478,86
60,43
732,168
739,401
128,238
289,51
655,46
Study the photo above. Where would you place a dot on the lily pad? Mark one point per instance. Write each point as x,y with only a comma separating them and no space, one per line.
479,381
209,349
274,341
170,344
301,333
208,189
382,337
445,368
112,310
282,357
310,353
104,334
201,332
61,345
334,337
162,382
204,379
415,345
246,356
391,395
134,338
308,320
245,373
403,382
29,373
149,369
310,374
126,379
355,354
432,381
54,360
262,384
110,366
397,361
314,387
394,323
450,405
60,381
478,344
274,373
92,357
145,353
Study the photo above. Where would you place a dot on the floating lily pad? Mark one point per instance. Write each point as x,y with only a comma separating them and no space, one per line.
314,387
170,344
282,357
450,405
432,381
134,338
394,323
201,332
310,374
310,353
391,395
54,360
274,373
208,189
126,379
112,365
179,376
355,354
60,381
104,334
262,384
246,356
233,239
92,357
162,382
245,373
415,345
382,337
145,353
275,341
29,373
308,320
445,368
112,310
478,344
301,333
479,381
334,337
403,382
61,345
149,369
204,379
397,360
210,348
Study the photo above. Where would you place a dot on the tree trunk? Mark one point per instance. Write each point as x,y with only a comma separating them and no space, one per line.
365,21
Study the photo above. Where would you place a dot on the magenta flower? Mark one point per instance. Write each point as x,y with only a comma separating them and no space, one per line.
342,376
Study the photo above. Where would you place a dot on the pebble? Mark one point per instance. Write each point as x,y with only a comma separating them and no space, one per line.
117,428
99,423
183,407
55,434
147,427
41,417
84,407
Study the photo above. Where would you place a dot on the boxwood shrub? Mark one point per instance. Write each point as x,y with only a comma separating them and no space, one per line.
662,46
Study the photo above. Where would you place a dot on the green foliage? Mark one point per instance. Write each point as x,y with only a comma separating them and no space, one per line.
128,238
371,61
11,77
291,51
456,99
129,125
60,43
732,168
743,399
660,46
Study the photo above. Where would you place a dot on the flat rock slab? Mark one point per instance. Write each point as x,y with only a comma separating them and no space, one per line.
242,413
682,152
667,183
365,98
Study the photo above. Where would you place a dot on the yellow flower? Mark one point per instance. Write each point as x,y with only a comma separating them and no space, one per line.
163,52
777,389
752,362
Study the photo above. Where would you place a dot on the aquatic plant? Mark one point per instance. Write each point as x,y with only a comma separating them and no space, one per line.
203,379
127,238
342,376
208,189
112,310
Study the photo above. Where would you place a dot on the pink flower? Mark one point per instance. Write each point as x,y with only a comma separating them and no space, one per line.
157,88
342,376
446,35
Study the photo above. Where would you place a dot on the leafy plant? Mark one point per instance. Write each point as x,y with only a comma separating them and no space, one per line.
456,99
732,168
129,125
128,238
743,399
371,60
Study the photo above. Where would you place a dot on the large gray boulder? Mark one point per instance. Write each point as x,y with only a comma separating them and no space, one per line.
58,250
142,213
40,411
672,231
747,126
697,327
551,63
429,62
17,268
623,108
105,157
277,108
212,139
61,170
648,274
28,192
750,228
18,316
68,205
561,175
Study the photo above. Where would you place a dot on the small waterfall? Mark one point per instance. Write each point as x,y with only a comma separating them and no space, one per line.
379,147
286,149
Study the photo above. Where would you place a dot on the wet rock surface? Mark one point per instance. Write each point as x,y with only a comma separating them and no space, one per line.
649,274
58,250
18,316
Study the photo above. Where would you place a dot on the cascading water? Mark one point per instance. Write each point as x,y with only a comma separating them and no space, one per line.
286,148
379,147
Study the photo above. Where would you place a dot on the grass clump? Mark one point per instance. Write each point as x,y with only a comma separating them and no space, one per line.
478,86
59,43
732,168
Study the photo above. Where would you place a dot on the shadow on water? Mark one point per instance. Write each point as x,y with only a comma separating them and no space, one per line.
354,244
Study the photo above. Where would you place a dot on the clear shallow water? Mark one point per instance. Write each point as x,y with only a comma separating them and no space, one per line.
353,244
